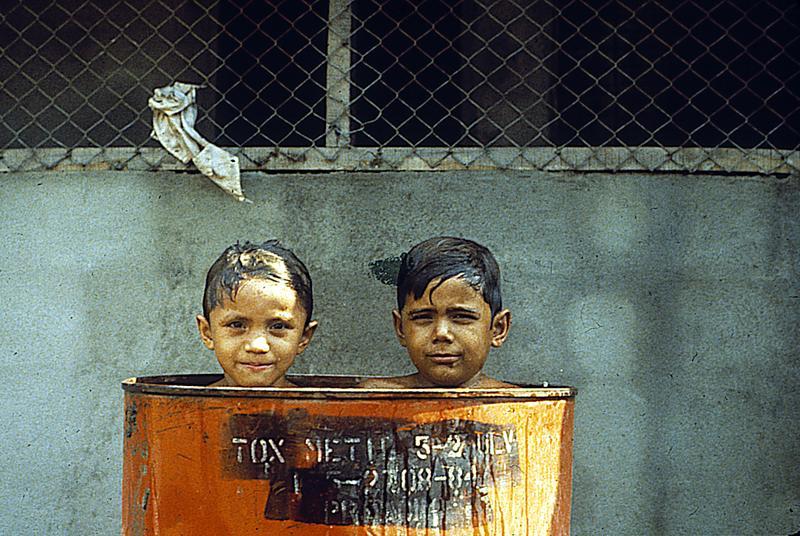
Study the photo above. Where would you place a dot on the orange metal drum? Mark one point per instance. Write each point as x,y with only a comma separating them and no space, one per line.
330,459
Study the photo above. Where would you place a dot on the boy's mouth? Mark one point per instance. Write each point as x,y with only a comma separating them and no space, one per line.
444,359
256,367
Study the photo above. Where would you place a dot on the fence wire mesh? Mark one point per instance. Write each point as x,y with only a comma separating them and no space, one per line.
408,84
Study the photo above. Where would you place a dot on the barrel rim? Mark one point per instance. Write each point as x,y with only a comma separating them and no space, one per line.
171,385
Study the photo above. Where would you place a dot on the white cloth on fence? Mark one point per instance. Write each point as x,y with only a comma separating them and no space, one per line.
174,113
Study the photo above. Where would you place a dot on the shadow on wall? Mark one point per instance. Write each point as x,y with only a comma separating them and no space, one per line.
117,336
682,334
138,319
606,325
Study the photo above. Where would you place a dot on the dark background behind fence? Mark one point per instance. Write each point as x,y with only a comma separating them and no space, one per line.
432,74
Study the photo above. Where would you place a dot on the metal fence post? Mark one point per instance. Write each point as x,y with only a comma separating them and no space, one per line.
337,94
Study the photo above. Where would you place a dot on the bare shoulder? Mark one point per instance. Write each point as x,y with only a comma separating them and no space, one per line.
397,382
491,383
223,382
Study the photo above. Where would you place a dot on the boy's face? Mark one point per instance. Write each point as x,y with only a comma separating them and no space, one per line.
448,332
257,335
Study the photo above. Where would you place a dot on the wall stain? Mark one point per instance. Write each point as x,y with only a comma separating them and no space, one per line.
385,270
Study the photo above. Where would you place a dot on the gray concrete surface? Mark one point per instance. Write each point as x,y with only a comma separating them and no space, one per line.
671,302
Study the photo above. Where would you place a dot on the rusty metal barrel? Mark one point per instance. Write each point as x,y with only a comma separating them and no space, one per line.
327,458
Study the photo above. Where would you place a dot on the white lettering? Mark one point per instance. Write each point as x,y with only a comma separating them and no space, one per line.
329,450
491,442
508,439
239,441
352,441
276,450
374,474
457,448
422,442
264,453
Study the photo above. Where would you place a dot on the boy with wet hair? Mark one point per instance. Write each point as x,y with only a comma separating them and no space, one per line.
449,314
257,307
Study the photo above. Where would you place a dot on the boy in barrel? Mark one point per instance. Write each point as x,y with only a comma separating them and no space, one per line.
449,314
256,317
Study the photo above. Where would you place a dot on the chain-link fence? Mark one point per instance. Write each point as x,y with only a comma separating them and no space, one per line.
409,84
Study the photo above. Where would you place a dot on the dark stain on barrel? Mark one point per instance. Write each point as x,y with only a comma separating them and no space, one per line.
130,420
372,471
145,499
386,270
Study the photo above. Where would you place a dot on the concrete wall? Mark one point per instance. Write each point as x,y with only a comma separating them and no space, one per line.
671,302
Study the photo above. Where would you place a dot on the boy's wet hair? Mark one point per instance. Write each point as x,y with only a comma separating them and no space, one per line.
444,257
269,261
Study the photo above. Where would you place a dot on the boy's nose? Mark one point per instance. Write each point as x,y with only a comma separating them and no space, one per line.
259,344
441,332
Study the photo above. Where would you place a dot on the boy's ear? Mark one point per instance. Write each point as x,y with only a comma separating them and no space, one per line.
308,333
205,331
397,319
501,323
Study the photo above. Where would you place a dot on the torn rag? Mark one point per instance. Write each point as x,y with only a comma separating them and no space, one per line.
174,113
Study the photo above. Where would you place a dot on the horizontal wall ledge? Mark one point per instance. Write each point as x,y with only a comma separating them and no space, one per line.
610,159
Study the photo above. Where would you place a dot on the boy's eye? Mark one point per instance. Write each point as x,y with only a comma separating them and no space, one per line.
235,324
465,317
420,317
278,325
